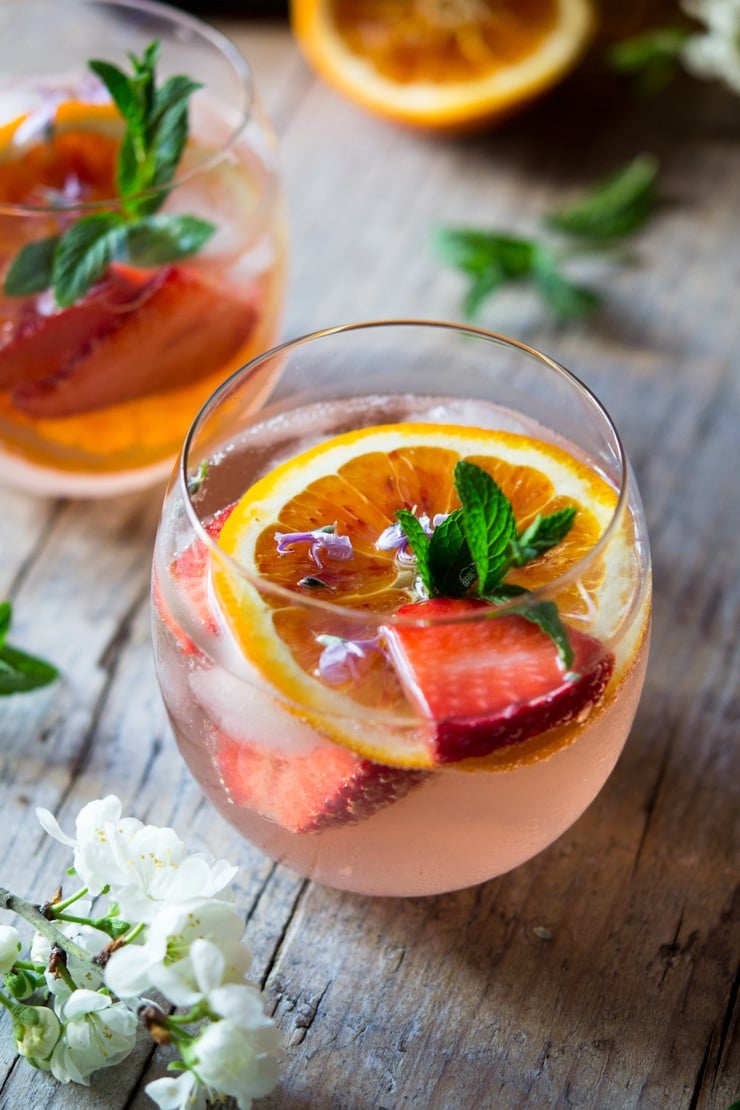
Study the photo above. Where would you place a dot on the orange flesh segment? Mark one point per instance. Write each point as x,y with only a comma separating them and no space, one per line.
442,42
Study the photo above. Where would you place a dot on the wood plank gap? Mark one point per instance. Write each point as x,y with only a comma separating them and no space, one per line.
303,888
109,660
24,569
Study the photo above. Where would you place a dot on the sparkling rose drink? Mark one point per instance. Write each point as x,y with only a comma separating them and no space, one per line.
353,720
132,283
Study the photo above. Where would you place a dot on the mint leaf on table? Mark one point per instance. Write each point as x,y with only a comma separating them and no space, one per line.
613,208
565,299
475,546
651,57
492,259
156,119
19,672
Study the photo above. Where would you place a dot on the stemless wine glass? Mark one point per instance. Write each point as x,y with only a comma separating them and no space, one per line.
97,394
344,719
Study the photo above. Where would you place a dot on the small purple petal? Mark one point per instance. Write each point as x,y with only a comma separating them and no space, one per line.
337,662
321,540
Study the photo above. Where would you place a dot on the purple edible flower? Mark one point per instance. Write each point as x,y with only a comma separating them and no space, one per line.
321,539
337,662
395,537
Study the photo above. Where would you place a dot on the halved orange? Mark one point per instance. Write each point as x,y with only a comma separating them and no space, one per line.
442,64
355,483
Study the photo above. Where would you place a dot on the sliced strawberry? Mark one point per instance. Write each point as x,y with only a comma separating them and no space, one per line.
489,683
178,327
189,570
34,344
309,793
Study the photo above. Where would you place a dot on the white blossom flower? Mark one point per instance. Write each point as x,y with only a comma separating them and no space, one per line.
83,974
96,1033
236,1061
206,969
714,52
181,1093
137,968
144,865
10,946
36,1031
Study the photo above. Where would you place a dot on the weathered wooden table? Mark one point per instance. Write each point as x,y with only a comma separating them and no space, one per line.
603,973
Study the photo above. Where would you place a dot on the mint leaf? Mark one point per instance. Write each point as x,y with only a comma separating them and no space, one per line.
156,133
30,270
487,522
564,298
419,544
450,562
545,614
490,259
6,614
83,255
168,128
123,92
154,240
614,207
652,57
19,672
543,533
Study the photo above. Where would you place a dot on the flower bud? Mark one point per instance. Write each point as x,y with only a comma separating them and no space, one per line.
10,946
36,1031
21,984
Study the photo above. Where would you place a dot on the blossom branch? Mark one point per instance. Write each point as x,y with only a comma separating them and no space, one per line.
34,916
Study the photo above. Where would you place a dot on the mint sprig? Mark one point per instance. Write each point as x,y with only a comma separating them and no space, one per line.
156,119
652,58
472,550
608,212
19,672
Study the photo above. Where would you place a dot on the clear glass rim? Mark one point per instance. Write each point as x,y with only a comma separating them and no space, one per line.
366,617
177,18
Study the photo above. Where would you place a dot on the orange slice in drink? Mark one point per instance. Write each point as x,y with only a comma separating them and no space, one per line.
442,64
354,484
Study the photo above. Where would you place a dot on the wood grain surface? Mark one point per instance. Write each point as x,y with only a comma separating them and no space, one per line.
602,974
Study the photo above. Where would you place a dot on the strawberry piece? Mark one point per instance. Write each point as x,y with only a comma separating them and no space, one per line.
489,683
34,345
189,570
113,347
327,788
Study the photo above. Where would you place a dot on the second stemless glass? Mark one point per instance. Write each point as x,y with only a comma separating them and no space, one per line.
284,691
96,397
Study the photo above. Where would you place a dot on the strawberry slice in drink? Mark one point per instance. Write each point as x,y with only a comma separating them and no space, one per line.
189,570
39,339
489,683
325,788
137,332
